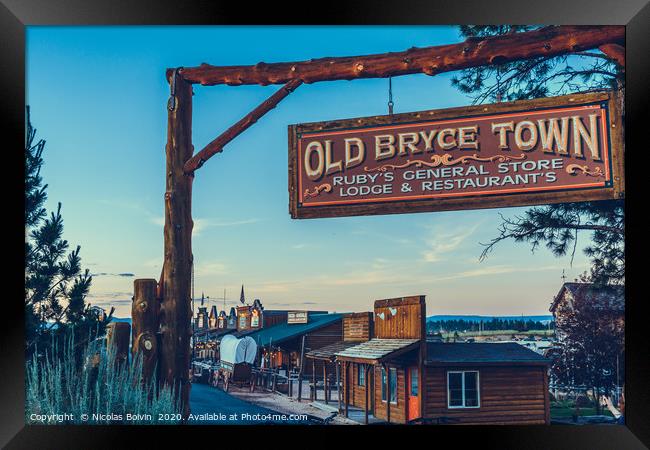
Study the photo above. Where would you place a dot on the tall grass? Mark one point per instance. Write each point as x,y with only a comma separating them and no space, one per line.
86,383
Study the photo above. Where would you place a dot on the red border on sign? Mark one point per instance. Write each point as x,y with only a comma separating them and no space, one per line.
460,194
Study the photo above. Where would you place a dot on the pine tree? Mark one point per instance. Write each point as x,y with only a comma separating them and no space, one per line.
541,76
557,226
55,286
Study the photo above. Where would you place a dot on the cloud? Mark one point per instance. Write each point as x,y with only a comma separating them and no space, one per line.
106,274
211,268
200,224
382,236
203,224
493,270
442,243
157,220
380,263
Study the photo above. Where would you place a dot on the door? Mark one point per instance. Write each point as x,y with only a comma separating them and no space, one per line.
413,393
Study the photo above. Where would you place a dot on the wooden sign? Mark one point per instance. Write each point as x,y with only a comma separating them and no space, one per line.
297,317
550,150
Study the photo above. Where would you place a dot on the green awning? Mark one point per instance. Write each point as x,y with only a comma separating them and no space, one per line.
283,332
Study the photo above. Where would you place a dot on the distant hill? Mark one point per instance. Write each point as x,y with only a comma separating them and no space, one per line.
543,318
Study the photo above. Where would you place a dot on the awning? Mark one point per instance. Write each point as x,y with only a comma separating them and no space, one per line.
283,332
377,350
328,352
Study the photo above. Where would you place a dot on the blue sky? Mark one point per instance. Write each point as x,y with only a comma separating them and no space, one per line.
98,96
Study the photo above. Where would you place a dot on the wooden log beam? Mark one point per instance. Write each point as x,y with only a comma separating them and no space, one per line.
144,318
614,51
548,41
231,133
175,311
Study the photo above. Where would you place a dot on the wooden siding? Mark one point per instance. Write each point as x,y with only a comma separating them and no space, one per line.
397,411
508,395
357,327
318,338
357,393
406,323
269,320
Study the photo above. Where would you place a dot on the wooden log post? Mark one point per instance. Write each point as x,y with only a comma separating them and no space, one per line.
118,335
175,311
144,319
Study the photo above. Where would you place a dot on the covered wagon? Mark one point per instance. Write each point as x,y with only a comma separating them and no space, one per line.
237,358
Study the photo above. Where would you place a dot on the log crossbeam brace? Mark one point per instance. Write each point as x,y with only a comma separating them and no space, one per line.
246,122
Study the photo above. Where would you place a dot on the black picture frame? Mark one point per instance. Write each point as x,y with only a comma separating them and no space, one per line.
15,15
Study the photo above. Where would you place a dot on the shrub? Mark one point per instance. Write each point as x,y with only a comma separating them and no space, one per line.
88,381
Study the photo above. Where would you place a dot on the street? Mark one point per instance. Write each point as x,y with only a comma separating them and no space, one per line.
205,399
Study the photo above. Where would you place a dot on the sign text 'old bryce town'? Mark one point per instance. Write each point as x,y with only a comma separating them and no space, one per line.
529,152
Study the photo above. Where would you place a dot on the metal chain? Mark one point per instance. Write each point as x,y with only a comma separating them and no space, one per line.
390,96
498,84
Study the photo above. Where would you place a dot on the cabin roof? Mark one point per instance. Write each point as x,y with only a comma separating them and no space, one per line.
610,295
329,351
377,349
284,331
481,352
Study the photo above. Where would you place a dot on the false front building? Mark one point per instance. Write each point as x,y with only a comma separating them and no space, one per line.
399,377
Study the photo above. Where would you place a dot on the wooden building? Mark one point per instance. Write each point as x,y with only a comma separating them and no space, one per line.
399,377
281,345
357,327
572,296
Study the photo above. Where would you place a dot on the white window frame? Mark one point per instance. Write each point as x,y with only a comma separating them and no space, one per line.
478,389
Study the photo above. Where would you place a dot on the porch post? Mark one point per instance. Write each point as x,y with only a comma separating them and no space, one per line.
338,382
325,382
314,392
347,390
387,371
365,377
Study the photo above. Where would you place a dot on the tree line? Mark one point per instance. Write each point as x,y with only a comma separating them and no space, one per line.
495,324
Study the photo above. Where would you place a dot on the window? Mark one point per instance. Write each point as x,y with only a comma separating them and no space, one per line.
392,375
361,375
255,319
463,389
414,382
242,321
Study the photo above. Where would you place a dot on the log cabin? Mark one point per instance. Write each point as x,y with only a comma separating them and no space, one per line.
399,377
